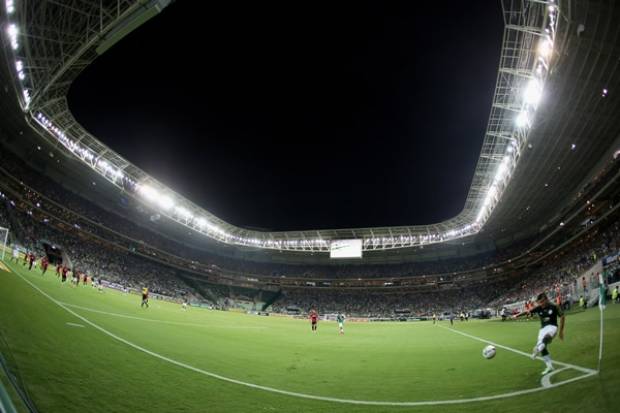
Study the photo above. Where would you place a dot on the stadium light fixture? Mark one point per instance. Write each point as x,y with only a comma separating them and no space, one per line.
545,47
103,165
165,202
183,212
19,67
533,93
10,6
522,119
148,192
26,94
13,32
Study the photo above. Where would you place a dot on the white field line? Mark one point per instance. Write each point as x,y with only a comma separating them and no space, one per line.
75,325
584,370
546,379
154,320
295,394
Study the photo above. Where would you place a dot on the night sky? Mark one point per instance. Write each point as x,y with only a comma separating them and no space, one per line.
303,115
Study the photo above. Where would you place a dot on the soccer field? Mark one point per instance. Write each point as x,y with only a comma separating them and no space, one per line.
79,350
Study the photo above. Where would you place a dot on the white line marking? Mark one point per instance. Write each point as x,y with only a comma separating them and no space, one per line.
546,379
154,320
295,394
584,370
74,325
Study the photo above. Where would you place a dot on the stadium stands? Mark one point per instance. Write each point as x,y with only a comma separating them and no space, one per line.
108,246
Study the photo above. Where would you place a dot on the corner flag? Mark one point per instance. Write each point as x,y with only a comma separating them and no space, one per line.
602,291
602,297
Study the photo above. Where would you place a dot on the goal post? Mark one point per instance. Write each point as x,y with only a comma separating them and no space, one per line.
4,239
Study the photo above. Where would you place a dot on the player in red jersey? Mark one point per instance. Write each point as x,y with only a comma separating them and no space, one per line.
58,269
31,259
44,263
65,270
314,319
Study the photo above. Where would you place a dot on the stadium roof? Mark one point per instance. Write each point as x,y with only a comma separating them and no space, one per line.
552,117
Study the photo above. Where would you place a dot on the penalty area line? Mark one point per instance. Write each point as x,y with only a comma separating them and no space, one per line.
291,393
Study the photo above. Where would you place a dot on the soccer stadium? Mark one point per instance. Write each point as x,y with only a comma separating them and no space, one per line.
477,271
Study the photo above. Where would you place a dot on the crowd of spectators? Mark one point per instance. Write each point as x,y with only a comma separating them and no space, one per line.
108,246
138,233
96,259
564,271
376,303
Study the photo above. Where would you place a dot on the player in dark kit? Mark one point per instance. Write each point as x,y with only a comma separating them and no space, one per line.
548,313
44,264
31,259
58,269
314,319
145,297
65,270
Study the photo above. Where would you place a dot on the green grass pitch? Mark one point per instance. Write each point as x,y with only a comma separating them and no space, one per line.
121,358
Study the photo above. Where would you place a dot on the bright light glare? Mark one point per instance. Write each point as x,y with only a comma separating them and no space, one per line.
522,120
13,31
533,93
165,202
545,47
148,192
183,212
501,171
10,6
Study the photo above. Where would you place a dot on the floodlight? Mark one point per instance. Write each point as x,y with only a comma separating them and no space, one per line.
10,6
183,212
533,92
165,202
522,120
13,31
148,192
545,47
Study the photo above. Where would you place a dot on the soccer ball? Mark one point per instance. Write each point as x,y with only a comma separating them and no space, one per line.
488,352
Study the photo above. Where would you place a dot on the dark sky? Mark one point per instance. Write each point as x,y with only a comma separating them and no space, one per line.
303,115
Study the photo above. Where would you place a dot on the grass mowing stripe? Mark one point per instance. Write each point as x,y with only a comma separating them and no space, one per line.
296,394
153,320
